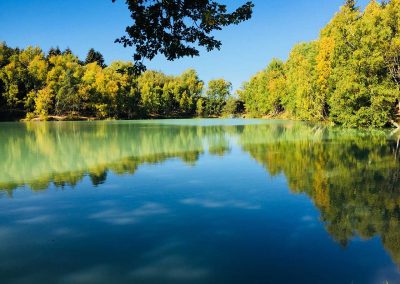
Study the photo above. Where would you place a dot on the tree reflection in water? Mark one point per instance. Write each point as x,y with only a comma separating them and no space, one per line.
352,176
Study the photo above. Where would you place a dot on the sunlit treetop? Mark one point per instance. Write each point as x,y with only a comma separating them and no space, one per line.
351,4
177,28
95,56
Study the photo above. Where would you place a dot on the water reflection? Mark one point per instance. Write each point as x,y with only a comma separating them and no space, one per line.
352,178
36,154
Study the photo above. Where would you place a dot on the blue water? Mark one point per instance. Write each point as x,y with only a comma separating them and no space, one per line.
198,201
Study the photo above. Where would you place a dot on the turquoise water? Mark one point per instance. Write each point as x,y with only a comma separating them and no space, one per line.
198,201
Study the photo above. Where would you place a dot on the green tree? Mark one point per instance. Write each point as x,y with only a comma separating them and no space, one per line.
108,92
392,51
363,94
276,88
200,111
233,107
95,56
23,77
119,89
217,93
253,94
54,52
350,75
187,91
5,53
301,100
62,83
151,88
265,92
67,51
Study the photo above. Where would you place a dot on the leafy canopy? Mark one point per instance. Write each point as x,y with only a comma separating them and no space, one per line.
176,28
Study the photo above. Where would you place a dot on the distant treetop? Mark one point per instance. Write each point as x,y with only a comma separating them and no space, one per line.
95,56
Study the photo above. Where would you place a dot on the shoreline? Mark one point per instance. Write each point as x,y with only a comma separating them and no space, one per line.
277,117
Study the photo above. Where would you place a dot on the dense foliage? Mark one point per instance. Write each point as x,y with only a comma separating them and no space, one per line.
177,28
350,75
36,85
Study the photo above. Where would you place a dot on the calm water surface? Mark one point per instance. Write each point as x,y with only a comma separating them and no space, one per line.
198,201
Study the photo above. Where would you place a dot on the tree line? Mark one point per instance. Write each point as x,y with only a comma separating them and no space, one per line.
350,75
57,84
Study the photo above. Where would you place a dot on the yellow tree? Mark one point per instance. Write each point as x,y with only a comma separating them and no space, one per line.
23,77
301,83
392,50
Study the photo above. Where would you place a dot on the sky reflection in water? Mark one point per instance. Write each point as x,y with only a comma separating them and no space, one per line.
197,201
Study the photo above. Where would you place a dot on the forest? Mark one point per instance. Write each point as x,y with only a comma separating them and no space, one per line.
58,85
349,76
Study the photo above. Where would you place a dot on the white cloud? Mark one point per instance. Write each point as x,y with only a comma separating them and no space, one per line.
120,217
36,220
172,267
208,203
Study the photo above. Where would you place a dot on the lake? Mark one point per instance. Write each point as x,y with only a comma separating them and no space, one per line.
198,201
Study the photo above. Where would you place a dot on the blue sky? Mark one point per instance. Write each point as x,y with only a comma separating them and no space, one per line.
81,24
